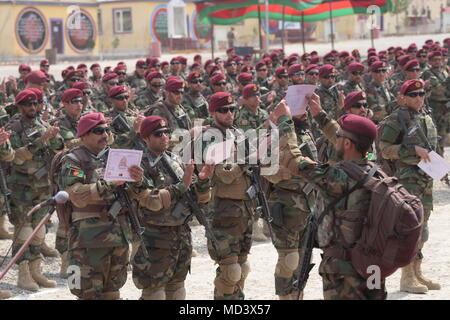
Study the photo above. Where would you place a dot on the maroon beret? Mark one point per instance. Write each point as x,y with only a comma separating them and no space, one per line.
412,47
326,70
82,66
314,53
390,49
274,55
152,124
267,61
94,65
403,60
229,50
25,95
141,63
399,53
71,68
352,98
411,64
433,54
219,100
81,85
229,62
328,55
334,52
43,62
292,59
183,60
295,68
71,93
237,59
217,60
343,54
73,73
152,75
444,51
383,52
430,41
109,76
214,70
119,68
311,66
89,121
421,52
281,71
195,65
372,59
36,76
164,63
411,85
208,62
246,69
39,93
371,50
260,65
217,78
175,59
197,57
315,59
378,65
174,83
24,67
250,90
149,61
349,59
355,66
358,125
244,77
194,75
116,90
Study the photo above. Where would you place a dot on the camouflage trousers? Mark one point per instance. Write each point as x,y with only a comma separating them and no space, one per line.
61,241
170,253
441,115
102,271
231,224
23,199
290,211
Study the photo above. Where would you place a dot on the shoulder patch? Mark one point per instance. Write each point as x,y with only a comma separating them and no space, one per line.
74,172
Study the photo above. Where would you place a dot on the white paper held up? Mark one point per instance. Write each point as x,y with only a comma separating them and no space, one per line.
437,168
119,160
295,98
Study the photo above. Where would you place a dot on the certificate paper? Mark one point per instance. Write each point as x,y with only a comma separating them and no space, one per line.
437,168
295,97
119,160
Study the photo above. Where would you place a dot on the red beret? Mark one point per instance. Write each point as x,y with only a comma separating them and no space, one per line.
175,59
39,93
195,65
208,62
152,75
355,66
194,75
82,66
182,59
220,99
237,59
315,59
81,85
412,47
229,62
174,83
43,62
217,78
411,85
36,76
356,53
371,50
119,68
116,90
109,76
295,68
358,125
89,121
352,98
141,63
246,69
71,93
373,59
217,60
25,95
311,66
73,73
164,63
94,65
152,124
328,55
411,64
244,77
314,53
229,50
197,56
403,60
433,54
274,55
213,70
378,65
281,71
292,59
343,54
24,67
260,65
326,70
250,90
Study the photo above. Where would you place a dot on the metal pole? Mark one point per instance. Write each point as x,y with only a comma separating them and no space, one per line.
303,31
331,24
283,28
212,42
260,35
267,25
371,30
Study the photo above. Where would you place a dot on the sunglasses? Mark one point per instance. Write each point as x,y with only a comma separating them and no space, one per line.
76,100
329,77
283,76
113,83
178,92
45,65
220,84
300,73
330,60
30,103
121,98
422,56
415,94
262,70
157,65
380,71
414,70
156,85
87,92
231,64
121,73
357,73
99,131
40,101
161,133
74,79
360,105
313,73
172,63
196,81
226,110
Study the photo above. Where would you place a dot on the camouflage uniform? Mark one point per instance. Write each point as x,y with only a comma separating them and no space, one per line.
145,98
340,279
136,81
351,87
264,85
29,181
380,100
246,120
123,139
7,155
196,106
100,101
280,94
329,100
97,241
167,235
291,201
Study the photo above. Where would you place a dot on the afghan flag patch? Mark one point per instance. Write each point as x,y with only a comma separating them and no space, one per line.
76,173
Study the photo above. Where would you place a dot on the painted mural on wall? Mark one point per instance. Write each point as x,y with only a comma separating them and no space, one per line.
200,31
81,32
31,30
158,23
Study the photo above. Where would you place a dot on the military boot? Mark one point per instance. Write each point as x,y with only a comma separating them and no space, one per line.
286,297
422,280
64,265
5,294
258,234
36,273
4,233
409,282
48,252
24,280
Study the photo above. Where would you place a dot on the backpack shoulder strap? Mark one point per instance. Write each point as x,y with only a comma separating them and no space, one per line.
405,118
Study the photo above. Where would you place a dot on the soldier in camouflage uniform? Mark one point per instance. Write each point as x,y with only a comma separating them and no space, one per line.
175,68
262,79
329,99
296,74
87,91
439,96
412,71
379,97
137,80
422,57
312,74
35,143
355,135
355,81
98,242
167,235
405,147
282,83
13,85
244,78
399,75
96,78
100,100
231,73
70,78
152,93
193,101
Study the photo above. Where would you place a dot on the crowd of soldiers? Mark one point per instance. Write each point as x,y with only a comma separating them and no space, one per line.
80,117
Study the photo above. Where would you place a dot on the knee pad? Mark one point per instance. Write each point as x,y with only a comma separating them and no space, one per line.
287,263
24,233
39,237
229,276
245,269
153,294
176,291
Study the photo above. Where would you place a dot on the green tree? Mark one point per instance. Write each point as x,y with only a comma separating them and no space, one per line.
399,6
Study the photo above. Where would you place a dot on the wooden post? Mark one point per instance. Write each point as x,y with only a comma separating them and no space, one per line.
283,29
331,24
260,34
212,41
303,31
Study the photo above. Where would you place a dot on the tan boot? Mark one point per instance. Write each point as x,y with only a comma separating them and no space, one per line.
25,281
4,233
4,294
286,297
64,265
36,273
427,282
258,235
48,252
409,282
